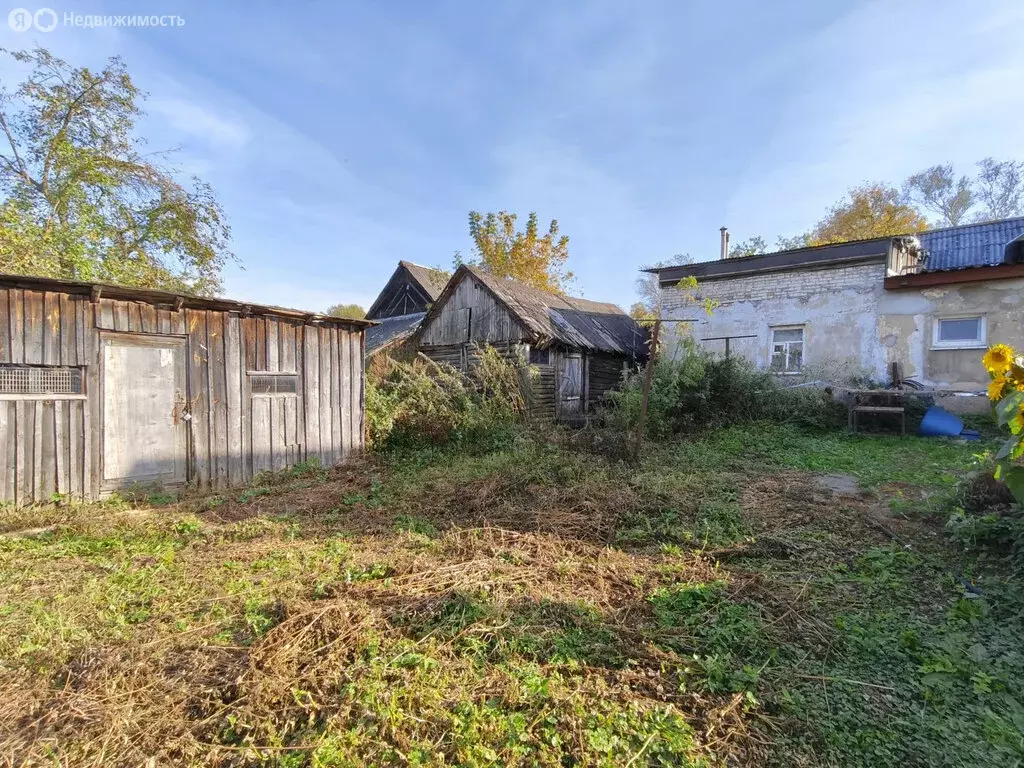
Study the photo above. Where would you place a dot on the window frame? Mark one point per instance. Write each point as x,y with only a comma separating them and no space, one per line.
273,374
546,351
771,348
978,343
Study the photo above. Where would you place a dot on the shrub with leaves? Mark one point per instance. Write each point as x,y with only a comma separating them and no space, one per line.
1006,391
426,403
696,390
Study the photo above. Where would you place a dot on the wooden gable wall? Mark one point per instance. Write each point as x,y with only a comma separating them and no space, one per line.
402,295
471,314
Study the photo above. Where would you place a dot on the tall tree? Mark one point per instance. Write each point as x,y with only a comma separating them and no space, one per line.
528,256
999,186
790,243
80,200
352,311
649,289
939,191
870,210
752,246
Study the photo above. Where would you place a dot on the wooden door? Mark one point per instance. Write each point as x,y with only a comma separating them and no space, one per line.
569,399
144,404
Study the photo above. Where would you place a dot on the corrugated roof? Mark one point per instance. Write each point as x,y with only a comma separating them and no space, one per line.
391,330
576,322
432,280
970,245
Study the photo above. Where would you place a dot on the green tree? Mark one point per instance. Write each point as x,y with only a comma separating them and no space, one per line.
78,197
791,243
999,187
527,256
938,190
649,289
353,311
751,247
870,210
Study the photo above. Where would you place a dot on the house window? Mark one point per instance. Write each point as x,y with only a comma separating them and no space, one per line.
965,332
41,380
540,356
268,384
787,350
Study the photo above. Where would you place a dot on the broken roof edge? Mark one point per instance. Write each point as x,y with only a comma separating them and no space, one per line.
157,296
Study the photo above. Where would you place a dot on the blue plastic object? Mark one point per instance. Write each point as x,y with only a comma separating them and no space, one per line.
938,422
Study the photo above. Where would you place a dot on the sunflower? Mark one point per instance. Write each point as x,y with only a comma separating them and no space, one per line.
1015,376
998,359
996,387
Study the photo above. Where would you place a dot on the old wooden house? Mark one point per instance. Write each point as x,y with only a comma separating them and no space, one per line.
580,347
402,304
102,387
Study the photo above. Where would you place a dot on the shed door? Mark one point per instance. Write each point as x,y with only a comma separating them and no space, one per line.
144,400
570,386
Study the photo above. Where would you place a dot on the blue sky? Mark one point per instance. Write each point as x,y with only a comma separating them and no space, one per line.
342,137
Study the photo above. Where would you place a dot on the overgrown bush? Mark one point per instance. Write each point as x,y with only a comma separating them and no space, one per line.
418,403
697,390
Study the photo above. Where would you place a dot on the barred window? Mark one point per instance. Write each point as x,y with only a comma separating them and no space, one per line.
265,383
40,380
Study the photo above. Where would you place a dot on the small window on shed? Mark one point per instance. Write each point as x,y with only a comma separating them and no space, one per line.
265,383
40,380
540,356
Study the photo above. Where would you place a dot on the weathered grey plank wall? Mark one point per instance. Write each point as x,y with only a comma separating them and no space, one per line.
52,444
472,314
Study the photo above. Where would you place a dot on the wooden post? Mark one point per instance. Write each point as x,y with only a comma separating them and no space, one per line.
726,347
648,376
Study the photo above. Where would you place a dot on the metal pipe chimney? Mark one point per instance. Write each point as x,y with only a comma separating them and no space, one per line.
725,242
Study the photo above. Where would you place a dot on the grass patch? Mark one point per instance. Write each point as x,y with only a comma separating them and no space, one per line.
530,605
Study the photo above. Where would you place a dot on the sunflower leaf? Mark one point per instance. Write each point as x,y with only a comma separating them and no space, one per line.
1008,407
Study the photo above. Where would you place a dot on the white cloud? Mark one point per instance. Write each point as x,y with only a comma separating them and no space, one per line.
196,120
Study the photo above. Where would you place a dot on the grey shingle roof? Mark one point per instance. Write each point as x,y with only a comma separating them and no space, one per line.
391,330
432,280
970,245
575,322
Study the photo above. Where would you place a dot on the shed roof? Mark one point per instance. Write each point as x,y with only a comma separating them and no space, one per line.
432,280
552,317
970,245
153,296
391,330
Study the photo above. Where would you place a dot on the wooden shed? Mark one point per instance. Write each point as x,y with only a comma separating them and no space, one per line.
401,305
103,387
580,347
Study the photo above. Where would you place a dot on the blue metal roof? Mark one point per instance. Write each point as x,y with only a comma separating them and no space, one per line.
970,245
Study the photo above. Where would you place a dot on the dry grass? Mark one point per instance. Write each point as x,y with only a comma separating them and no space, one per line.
506,609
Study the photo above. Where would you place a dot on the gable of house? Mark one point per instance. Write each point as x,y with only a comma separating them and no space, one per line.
411,289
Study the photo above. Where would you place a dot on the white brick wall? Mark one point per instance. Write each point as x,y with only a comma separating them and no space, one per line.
851,323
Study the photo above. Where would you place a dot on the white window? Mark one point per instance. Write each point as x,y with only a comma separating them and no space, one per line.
787,349
965,332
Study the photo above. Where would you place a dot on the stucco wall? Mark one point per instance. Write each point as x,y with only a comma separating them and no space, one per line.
851,323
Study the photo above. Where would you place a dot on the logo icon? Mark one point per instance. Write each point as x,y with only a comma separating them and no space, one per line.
45,19
20,19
